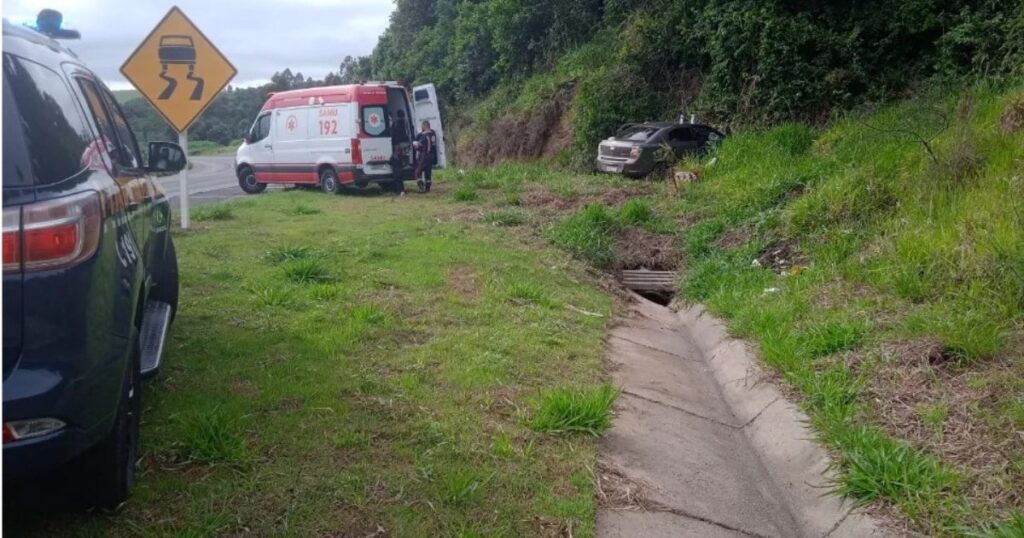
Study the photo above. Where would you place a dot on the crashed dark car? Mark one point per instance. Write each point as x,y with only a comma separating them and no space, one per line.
636,150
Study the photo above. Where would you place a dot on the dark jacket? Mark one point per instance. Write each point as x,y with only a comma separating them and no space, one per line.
428,143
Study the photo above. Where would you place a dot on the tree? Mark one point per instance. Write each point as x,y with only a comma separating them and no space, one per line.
354,69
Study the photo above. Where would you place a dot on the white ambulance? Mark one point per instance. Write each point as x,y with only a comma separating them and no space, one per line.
338,135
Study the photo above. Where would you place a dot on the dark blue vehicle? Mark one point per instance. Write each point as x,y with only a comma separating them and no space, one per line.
90,280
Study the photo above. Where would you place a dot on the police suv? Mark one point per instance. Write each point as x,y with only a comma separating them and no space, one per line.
90,280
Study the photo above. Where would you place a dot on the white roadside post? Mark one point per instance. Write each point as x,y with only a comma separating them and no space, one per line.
183,180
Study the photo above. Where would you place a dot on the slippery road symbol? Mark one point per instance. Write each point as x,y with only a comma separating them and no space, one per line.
178,49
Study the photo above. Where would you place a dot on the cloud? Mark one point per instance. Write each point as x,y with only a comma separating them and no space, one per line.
259,37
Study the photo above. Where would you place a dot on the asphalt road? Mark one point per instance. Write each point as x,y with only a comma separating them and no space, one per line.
211,179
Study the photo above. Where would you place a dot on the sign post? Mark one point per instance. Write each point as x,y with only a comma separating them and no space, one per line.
183,181
180,72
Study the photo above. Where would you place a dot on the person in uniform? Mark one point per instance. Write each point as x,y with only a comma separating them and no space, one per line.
426,156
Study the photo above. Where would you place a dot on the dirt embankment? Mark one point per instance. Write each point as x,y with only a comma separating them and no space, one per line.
543,131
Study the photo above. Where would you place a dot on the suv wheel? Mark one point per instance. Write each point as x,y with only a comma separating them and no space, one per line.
108,469
247,180
329,180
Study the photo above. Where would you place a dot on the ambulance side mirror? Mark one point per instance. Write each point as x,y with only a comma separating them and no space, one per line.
247,138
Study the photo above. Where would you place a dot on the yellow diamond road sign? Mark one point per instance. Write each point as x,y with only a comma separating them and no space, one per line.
178,70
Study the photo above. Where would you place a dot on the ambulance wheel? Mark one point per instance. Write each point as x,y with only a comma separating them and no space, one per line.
247,180
329,180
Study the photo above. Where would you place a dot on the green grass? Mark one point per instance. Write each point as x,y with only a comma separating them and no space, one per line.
568,410
465,194
589,234
302,209
382,397
212,436
306,271
507,217
207,147
271,294
1013,527
213,213
524,291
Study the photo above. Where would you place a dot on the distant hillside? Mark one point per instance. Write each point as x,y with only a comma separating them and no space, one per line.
124,96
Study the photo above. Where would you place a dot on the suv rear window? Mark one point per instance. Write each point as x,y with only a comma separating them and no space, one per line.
46,117
636,133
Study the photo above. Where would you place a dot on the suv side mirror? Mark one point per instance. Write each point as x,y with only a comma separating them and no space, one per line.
166,157
247,138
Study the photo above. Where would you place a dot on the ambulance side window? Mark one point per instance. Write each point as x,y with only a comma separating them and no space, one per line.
261,129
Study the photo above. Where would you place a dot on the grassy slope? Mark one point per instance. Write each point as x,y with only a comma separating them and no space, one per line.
896,310
364,361
908,291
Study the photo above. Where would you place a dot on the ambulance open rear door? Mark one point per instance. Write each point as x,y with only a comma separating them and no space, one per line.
425,108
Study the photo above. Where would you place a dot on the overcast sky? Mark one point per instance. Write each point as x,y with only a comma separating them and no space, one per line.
258,36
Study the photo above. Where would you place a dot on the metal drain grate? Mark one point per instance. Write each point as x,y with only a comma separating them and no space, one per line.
644,280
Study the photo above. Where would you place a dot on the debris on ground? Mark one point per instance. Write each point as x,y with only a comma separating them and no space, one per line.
780,255
1013,117
922,395
636,248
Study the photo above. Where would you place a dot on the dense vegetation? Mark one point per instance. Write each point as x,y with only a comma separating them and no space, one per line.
734,61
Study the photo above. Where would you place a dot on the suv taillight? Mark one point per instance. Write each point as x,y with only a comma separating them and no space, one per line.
51,234
357,152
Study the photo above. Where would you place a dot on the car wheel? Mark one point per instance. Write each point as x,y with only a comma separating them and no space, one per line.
108,469
329,180
247,180
166,288
660,171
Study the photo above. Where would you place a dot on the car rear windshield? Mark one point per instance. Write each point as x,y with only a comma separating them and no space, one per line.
637,133
45,134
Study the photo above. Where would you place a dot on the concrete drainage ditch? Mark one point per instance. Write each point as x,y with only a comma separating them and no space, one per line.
701,444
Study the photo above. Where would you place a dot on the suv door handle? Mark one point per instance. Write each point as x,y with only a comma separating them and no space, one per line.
268,146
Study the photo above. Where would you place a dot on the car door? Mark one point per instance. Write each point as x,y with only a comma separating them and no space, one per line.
261,147
152,214
126,164
375,142
426,108
684,141
291,145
